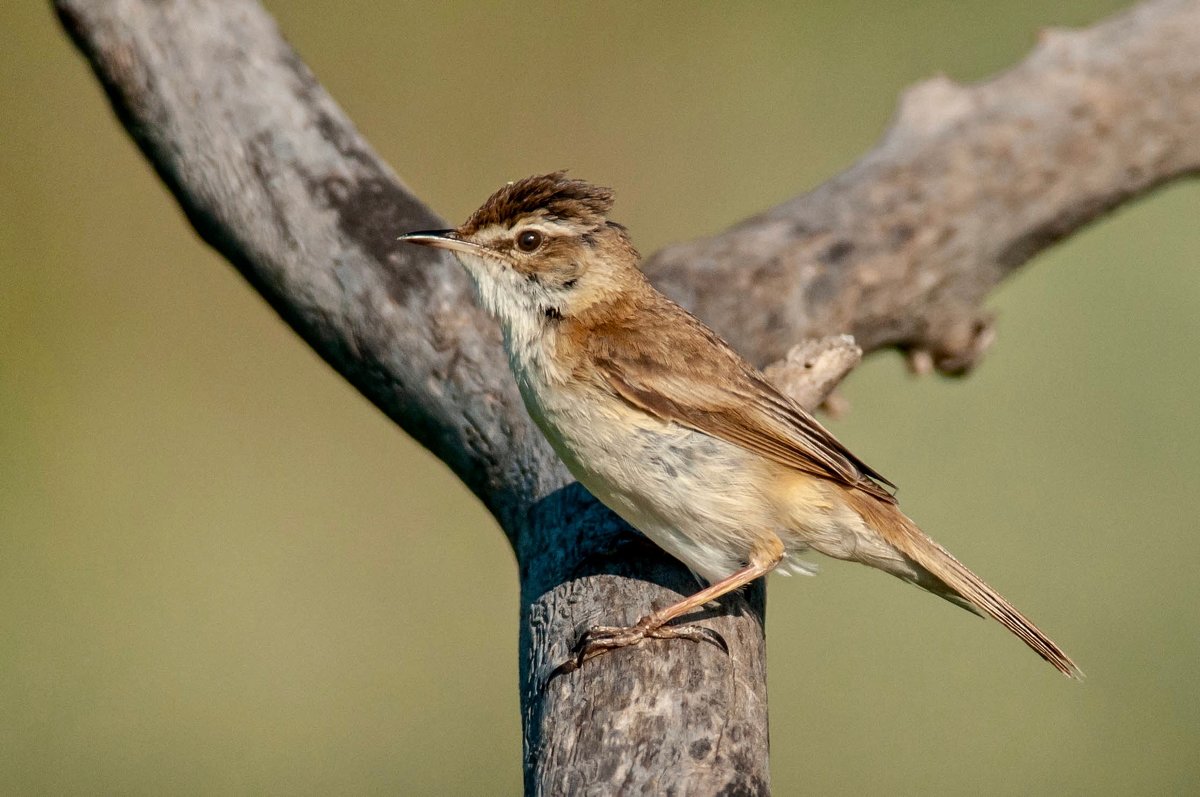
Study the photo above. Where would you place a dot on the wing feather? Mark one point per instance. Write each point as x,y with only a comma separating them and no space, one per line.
718,393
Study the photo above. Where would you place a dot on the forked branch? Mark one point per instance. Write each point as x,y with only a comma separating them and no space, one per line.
900,250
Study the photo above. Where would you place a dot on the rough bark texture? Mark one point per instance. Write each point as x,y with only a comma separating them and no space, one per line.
967,185
899,250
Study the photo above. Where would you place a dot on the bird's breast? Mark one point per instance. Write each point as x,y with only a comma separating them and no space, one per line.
703,499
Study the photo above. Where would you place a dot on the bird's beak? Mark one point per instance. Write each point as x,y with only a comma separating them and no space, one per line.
440,239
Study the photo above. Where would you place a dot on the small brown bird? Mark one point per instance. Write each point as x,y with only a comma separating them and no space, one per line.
662,421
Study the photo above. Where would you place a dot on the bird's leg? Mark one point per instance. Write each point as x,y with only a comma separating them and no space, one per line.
601,639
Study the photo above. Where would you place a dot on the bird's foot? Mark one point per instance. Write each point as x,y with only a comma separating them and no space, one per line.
601,639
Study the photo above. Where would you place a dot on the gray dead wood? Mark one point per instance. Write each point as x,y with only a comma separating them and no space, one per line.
968,184
900,250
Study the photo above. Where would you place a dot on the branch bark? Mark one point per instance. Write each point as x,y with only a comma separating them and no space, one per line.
900,250
968,184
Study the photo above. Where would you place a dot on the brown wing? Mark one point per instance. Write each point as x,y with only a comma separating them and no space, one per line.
711,389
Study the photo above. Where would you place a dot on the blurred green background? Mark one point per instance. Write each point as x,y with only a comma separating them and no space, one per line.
223,572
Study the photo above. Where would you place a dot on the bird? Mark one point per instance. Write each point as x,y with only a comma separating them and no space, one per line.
663,422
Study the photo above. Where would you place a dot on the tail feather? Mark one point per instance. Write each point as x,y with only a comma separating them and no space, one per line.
958,583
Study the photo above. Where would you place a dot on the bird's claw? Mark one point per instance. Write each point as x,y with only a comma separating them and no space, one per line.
600,639
698,633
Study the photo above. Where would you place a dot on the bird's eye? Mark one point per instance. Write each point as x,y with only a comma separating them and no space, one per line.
529,240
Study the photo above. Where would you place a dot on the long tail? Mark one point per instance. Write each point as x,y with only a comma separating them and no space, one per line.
953,580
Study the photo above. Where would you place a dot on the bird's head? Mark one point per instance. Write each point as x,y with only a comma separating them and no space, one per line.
541,249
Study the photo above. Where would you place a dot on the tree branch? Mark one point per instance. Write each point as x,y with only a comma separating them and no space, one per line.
968,184
900,250
813,368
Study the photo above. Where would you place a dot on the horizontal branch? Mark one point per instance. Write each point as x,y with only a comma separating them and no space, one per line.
968,184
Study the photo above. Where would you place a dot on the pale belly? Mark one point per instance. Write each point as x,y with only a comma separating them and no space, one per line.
705,501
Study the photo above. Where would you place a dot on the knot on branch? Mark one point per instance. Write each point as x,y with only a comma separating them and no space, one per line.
932,106
1063,41
813,368
952,341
